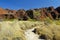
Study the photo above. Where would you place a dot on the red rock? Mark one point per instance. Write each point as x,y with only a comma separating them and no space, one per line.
3,11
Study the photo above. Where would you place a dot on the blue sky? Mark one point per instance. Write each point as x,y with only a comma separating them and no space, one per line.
28,4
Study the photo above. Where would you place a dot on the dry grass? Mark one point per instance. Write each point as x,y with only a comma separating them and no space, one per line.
15,29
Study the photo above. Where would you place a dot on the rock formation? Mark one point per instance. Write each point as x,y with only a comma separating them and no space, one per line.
34,14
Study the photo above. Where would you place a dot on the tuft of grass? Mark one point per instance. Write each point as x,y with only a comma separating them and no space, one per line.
57,22
48,20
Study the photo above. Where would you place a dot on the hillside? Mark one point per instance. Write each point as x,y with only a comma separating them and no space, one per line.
32,24
31,14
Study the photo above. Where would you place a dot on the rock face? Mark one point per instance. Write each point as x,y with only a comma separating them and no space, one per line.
2,11
7,14
21,15
35,14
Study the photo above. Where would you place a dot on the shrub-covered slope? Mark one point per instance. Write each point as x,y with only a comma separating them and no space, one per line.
33,14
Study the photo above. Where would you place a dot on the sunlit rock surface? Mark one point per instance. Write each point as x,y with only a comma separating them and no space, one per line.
23,30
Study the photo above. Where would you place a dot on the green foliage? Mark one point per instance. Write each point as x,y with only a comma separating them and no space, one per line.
36,13
48,20
9,19
57,22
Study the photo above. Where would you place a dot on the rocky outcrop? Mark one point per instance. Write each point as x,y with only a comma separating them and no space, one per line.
3,11
21,14
34,14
